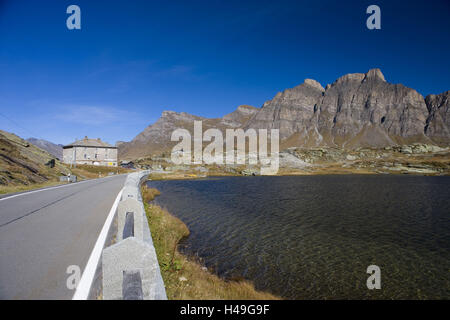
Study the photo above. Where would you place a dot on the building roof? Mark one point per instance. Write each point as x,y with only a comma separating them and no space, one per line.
86,142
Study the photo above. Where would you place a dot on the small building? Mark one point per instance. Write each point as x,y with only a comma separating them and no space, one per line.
90,151
127,164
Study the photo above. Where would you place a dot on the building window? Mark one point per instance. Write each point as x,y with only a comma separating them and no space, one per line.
85,156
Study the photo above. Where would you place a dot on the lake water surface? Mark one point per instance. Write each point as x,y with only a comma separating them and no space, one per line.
313,237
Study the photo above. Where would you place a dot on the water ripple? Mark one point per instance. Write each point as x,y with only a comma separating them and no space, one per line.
313,237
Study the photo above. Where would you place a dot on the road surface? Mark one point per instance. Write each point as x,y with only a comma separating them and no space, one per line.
43,232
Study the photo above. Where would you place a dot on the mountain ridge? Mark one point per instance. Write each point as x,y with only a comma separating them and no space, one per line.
356,110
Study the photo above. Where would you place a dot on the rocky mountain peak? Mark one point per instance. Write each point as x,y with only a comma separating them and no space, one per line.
374,74
350,77
167,113
246,109
313,83
178,116
239,117
358,109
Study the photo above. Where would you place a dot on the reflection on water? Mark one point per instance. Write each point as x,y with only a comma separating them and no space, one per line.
313,237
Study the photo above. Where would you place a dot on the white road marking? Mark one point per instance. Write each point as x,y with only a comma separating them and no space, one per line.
83,288
51,188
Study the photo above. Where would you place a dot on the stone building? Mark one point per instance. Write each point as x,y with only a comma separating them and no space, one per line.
90,151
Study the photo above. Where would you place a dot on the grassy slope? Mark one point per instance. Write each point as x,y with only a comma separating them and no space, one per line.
22,166
183,277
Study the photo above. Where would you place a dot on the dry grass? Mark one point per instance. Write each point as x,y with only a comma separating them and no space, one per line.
183,277
148,194
21,188
22,165
82,172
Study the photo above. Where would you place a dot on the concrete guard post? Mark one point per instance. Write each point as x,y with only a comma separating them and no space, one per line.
133,254
129,254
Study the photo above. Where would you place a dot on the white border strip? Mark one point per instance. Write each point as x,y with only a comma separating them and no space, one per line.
84,286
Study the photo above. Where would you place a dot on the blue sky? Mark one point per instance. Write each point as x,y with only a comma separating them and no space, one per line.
133,59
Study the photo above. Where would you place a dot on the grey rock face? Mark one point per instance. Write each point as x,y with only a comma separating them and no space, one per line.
357,109
313,83
239,117
438,122
358,101
290,111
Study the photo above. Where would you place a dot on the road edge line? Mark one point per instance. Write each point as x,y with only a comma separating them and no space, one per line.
84,286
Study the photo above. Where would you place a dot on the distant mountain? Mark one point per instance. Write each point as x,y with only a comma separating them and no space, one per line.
155,138
54,149
357,110
118,143
22,163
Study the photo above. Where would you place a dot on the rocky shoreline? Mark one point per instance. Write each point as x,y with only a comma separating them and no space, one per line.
417,158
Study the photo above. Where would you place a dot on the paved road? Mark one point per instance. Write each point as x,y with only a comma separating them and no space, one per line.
43,232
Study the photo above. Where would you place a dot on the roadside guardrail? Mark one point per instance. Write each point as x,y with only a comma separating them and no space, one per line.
130,267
